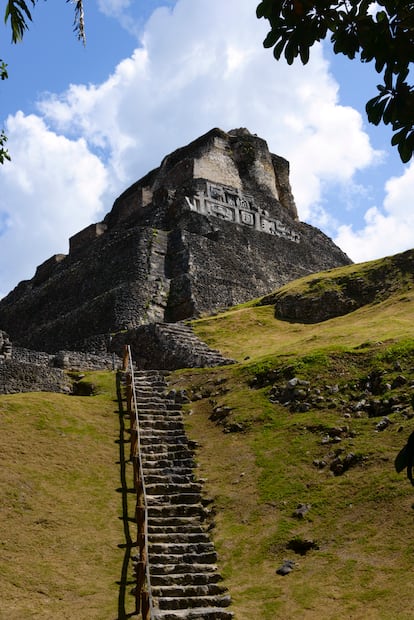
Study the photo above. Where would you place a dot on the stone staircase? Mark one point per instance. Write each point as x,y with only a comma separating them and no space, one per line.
184,579
167,346
182,341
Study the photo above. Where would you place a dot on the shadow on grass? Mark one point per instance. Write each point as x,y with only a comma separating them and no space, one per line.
129,543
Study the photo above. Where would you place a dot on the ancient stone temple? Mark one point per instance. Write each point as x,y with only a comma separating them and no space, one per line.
213,226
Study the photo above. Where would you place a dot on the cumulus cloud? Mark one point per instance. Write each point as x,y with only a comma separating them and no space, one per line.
200,64
387,230
203,65
50,190
113,7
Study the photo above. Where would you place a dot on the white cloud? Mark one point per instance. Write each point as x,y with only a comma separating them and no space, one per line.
203,65
200,65
113,7
50,190
386,231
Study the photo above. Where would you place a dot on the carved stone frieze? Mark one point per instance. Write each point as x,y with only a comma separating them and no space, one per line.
229,203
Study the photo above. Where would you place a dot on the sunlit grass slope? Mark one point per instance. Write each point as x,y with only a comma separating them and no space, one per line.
60,510
360,523
251,329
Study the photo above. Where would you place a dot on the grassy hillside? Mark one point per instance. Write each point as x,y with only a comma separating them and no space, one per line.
331,449
312,416
61,509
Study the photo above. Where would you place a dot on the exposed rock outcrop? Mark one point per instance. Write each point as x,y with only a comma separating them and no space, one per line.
337,293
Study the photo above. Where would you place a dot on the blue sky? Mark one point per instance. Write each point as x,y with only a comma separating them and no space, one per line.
86,122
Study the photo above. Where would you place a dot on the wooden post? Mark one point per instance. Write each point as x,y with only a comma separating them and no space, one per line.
142,598
125,358
145,605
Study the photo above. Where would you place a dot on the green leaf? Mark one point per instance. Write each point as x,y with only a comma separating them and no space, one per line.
398,136
304,54
405,152
4,154
385,38
18,13
277,52
3,70
375,109
271,39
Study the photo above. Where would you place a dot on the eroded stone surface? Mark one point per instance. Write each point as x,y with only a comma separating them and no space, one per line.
213,226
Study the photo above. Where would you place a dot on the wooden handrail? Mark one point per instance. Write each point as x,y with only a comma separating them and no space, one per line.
143,585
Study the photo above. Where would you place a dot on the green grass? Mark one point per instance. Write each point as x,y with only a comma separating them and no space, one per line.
360,520
61,512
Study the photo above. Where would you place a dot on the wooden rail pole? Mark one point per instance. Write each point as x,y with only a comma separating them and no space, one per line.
142,599
125,358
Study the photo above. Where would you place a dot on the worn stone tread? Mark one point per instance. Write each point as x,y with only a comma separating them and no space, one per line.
184,579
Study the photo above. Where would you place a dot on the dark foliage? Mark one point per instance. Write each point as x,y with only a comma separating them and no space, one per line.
379,31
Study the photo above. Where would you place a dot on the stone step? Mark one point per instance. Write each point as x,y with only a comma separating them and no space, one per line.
193,602
178,537
167,463
194,614
173,479
159,421
155,387
164,398
165,488
154,402
169,472
142,391
180,521
182,568
180,548
181,457
174,499
163,436
187,558
183,579
176,510
166,442
151,373
163,449
145,383
151,394
150,376
181,528
148,409
163,425
150,448
163,431
156,442
188,590
164,462
154,465
154,397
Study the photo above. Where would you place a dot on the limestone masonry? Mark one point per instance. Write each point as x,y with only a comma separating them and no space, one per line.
215,225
